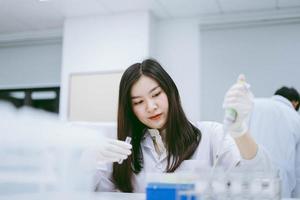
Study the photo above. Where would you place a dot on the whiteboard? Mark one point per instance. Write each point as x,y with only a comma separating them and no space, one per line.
93,96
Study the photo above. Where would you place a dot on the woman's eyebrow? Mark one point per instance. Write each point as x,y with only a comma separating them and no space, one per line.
153,89
134,97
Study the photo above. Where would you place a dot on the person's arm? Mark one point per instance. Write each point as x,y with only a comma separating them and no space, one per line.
247,146
239,101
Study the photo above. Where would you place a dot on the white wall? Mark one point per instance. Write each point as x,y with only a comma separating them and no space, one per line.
102,43
202,62
267,54
177,47
30,64
105,43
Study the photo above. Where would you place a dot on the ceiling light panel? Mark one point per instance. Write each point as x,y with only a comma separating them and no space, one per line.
179,8
126,5
247,5
75,8
288,3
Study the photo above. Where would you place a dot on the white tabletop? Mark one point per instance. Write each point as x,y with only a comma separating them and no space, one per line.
80,196
76,196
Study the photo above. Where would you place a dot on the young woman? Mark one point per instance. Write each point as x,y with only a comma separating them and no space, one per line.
163,139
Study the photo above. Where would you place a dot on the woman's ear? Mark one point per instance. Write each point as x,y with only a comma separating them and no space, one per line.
295,104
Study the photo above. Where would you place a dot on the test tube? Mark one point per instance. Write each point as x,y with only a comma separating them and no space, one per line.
127,140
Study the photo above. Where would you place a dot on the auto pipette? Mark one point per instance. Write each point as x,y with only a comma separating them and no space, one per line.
127,140
230,117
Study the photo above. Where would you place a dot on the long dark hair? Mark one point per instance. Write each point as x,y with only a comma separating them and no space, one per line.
182,138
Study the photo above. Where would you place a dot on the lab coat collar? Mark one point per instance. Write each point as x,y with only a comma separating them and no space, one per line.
147,142
283,100
147,138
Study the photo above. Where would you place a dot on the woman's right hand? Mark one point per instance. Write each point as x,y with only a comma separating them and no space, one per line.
107,151
112,150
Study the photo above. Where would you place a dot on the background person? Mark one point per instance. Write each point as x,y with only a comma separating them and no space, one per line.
276,125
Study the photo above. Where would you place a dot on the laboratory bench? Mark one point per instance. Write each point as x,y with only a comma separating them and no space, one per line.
82,196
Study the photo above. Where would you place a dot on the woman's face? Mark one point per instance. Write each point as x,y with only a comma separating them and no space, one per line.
149,103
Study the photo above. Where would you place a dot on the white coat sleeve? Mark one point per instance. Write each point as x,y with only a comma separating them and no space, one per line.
261,161
296,192
101,172
228,151
103,179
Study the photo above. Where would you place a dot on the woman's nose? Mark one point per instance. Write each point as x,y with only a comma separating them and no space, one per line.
151,106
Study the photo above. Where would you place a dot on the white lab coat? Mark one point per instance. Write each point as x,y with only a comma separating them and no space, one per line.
204,156
276,125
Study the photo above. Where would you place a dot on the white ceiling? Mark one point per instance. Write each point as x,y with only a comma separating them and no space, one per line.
34,15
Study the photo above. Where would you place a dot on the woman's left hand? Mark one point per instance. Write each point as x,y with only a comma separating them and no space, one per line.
240,99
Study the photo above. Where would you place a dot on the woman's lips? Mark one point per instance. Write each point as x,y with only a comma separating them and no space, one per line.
155,117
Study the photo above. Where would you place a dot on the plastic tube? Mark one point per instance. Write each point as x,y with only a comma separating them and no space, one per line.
127,140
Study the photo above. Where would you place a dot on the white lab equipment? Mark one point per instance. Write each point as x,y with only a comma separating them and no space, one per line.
236,185
40,153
